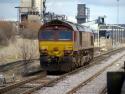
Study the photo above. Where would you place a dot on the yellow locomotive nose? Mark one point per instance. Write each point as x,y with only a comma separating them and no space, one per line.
56,48
56,52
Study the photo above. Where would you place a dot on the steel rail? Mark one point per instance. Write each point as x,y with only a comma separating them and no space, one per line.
104,90
51,81
13,64
73,90
10,87
74,71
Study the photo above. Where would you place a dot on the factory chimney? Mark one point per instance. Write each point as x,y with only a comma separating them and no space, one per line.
33,3
83,13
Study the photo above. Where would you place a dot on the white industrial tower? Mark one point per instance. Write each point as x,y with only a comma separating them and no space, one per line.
30,10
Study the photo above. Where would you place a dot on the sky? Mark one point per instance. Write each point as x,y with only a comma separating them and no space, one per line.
69,8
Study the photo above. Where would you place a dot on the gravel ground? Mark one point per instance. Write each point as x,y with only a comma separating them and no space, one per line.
96,85
73,80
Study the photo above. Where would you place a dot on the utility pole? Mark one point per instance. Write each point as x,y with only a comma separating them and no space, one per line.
118,11
100,22
117,38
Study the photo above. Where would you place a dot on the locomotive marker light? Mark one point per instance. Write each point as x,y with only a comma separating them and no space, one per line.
56,27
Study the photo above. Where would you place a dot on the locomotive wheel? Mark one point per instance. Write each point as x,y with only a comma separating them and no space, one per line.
67,67
86,60
43,59
68,64
78,61
82,61
91,56
73,63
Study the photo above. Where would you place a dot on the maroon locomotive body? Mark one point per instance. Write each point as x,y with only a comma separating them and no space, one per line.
65,45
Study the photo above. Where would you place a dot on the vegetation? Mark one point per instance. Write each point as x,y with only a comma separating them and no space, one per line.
30,30
28,52
7,32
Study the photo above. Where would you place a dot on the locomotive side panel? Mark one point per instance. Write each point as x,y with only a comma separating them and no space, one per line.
76,41
84,40
87,40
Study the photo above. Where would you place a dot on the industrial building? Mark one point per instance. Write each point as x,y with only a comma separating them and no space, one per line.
83,14
30,10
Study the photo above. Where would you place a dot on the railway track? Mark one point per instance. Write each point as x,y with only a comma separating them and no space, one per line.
91,84
64,84
33,84
8,66
104,90
18,70
21,84
72,91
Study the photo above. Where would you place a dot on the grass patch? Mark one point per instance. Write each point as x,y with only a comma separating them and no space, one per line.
1,47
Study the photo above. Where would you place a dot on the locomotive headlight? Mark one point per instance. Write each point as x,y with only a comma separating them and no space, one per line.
55,49
56,52
67,52
68,48
44,51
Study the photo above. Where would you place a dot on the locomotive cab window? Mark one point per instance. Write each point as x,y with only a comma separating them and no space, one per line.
46,35
56,35
65,35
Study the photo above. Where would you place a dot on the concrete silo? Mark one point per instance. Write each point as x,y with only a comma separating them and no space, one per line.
30,10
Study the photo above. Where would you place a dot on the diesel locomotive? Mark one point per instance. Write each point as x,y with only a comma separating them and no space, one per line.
64,45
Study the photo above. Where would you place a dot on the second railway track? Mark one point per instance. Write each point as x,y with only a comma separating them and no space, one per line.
94,81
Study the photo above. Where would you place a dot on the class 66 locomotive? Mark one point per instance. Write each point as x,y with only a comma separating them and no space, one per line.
64,46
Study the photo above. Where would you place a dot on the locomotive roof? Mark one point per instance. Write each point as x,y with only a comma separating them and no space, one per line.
74,26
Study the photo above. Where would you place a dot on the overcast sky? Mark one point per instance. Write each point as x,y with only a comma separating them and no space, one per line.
69,8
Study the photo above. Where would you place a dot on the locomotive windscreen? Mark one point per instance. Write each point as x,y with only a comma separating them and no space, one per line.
46,35
65,35
55,35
